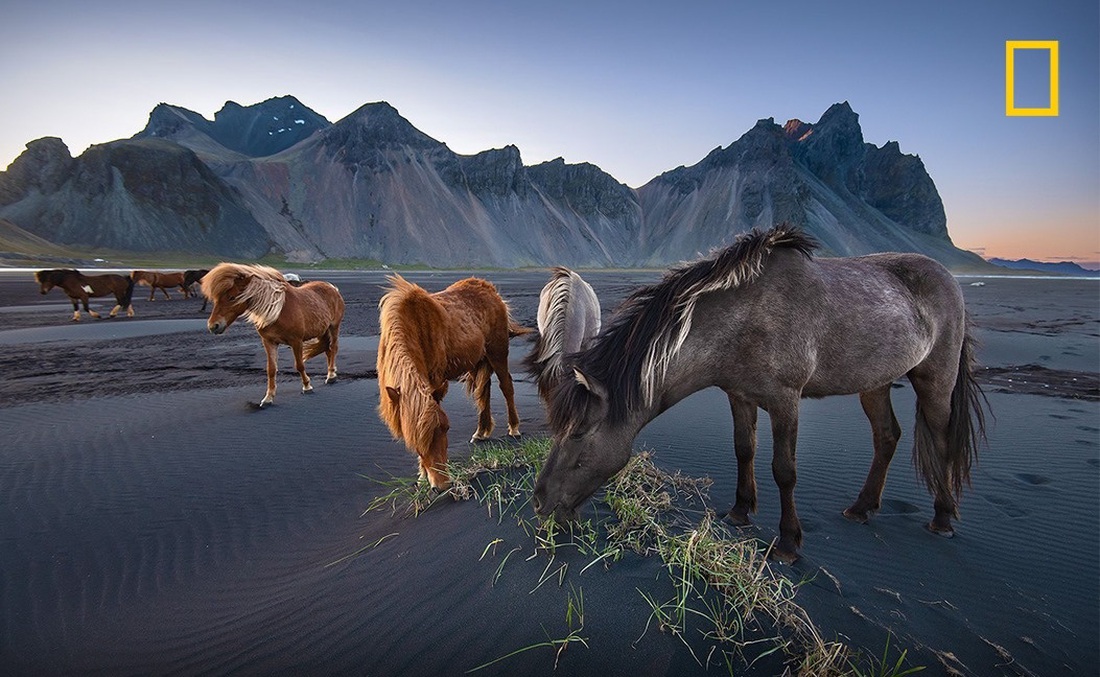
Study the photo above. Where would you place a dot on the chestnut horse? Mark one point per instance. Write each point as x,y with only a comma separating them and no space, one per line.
426,341
79,287
161,281
569,316
306,318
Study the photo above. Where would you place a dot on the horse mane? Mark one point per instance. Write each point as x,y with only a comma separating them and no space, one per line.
632,355
265,293
545,362
408,361
54,275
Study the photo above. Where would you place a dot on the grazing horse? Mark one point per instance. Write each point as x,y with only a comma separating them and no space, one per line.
80,287
769,324
427,340
190,277
161,281
568,317
306,318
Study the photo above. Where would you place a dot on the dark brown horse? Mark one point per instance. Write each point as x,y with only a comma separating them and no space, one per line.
161,281
190,277
769,325
80,287
306,318
426,341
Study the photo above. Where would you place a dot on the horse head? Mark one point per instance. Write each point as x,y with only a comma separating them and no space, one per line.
48,279
423,424
588,448
229,299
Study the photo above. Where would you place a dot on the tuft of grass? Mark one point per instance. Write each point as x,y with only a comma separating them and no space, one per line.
574,622
724,588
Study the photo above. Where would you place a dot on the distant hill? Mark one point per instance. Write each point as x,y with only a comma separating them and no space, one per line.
276,178
1060,268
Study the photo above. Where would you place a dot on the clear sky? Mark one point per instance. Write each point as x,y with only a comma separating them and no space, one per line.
634,87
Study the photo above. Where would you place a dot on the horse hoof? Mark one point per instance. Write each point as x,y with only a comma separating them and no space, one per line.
946,532
781,555
858,516
307,391
738,518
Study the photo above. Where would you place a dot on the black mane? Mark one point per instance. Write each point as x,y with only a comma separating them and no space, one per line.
617,355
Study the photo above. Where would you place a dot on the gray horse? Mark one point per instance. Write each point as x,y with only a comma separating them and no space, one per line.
568,317
769,324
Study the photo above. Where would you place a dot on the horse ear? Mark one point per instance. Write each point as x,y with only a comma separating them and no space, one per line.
590,384
394,393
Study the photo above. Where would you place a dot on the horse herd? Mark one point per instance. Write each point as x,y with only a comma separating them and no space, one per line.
80,287
763,319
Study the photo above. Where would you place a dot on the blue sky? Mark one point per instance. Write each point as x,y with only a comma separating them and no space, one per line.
636,88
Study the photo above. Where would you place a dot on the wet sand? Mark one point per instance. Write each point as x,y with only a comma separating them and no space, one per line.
152,521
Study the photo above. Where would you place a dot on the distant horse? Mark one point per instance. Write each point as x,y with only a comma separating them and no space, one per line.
568,317
190,277
769,324
306,318
427,340
161,281
80,287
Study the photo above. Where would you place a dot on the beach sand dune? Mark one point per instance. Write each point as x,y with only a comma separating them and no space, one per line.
152,520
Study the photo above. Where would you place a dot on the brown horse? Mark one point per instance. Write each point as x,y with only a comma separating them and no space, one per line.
428,340
80,287
161,281
306,318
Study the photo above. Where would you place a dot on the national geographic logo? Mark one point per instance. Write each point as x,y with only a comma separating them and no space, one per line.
1011,47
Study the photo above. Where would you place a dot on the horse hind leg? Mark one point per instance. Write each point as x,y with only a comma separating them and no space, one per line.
478,385
885,433
300,365
330,353
504,380
931,450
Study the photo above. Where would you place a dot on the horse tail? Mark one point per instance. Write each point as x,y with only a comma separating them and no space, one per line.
515,329
966,427
965,430
128,296
314,347
477,379
544,365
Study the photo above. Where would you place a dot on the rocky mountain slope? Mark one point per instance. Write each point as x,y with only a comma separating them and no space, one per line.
278,178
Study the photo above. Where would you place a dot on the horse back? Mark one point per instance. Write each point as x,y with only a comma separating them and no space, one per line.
831,325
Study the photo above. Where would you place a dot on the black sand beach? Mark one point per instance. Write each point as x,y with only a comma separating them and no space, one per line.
153,521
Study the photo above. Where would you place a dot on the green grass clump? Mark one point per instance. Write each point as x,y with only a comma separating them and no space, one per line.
724,588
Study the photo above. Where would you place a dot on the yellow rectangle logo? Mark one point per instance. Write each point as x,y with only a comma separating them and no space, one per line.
1010,77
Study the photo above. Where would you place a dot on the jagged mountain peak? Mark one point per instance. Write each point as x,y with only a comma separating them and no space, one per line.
374,127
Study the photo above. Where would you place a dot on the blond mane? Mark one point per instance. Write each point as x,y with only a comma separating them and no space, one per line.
265,293
408,361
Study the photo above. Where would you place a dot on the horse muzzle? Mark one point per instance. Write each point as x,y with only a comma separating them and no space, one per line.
217,327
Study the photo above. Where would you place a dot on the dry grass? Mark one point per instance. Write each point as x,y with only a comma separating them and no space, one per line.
724,588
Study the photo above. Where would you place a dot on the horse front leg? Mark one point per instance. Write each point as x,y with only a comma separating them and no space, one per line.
164,290
784,468
744,445
272,369
300,365
885,433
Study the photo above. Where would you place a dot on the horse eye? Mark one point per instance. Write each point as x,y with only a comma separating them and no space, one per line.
577,465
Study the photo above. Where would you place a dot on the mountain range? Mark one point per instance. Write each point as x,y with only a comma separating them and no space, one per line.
1056,267
278,179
